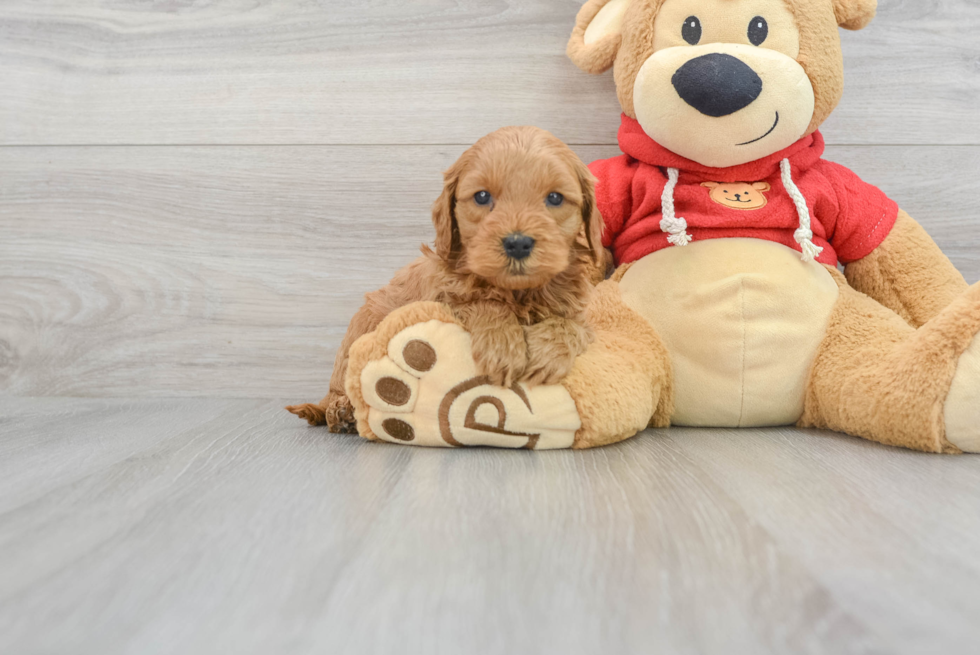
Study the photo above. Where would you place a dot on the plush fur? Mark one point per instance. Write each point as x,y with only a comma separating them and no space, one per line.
594,57
877,377
855,14
625,344
525,316
908,274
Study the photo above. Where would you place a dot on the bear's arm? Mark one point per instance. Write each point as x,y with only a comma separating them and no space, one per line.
614,193
885,253
907,273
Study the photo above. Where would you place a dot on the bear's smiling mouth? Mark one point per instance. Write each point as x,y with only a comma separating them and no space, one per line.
764,135
736,200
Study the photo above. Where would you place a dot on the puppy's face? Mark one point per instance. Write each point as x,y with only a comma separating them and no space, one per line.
520,199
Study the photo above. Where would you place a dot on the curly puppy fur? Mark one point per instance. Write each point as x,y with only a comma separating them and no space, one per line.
525,314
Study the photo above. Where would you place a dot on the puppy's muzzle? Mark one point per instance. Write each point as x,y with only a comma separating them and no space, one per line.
518,246
717,84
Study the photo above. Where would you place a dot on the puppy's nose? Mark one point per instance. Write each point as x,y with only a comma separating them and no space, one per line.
518,246
717,84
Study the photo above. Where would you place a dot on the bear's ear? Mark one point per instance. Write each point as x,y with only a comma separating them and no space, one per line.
761,186
854,14
597,35
711,185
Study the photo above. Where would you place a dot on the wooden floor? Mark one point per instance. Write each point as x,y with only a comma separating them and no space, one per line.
225,526
194,197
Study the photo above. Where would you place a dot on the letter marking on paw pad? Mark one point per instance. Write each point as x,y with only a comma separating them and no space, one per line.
427,392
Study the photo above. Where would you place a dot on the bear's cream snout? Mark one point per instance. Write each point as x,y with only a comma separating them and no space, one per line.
723,104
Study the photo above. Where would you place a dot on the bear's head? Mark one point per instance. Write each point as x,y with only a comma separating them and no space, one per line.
720,82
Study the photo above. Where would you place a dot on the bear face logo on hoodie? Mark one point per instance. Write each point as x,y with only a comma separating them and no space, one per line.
739,195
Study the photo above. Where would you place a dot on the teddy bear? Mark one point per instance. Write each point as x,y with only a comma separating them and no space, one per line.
757,284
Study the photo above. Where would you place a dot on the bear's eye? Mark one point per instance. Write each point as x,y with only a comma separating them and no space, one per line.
691,30
758,30
482,198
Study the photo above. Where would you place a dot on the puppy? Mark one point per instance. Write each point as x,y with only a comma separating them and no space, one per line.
517,250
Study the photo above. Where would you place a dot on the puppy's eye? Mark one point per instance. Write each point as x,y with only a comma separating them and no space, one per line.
691,30
555,199
482,198
758,30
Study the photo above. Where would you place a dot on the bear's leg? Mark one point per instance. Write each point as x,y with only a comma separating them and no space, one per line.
876,377
413,381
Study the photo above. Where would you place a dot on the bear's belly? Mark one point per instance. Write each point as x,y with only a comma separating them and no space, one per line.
742,318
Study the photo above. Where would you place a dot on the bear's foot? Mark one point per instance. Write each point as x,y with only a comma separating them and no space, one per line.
413,381
877,377
962,409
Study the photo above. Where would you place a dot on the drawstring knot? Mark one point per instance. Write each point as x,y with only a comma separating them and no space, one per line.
676,228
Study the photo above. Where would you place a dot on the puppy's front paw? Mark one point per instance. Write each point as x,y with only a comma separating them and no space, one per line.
335,411
547,371
552,346
339,414
500,354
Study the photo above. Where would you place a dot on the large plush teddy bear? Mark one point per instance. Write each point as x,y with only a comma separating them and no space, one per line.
727,307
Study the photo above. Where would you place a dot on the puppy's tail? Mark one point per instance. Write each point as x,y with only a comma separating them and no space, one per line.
314,414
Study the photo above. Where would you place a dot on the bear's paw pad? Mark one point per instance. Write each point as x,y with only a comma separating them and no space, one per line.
426,391
962,411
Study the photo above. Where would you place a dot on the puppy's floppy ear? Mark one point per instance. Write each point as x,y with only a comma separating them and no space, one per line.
592,223
854,14
598,34
448,243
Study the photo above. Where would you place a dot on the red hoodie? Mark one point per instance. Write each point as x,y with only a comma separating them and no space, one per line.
849,217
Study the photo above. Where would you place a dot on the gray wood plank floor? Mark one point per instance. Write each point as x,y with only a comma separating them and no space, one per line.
225,526
387,71
233,271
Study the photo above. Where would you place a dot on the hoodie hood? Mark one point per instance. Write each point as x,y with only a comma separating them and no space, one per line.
802,155
651,198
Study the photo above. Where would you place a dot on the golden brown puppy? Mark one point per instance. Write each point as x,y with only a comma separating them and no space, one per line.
518,247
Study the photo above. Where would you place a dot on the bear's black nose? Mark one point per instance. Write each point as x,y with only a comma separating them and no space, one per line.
518,246
717,84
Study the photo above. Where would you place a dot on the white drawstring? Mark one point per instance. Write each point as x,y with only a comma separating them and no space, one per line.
675,227
804,234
